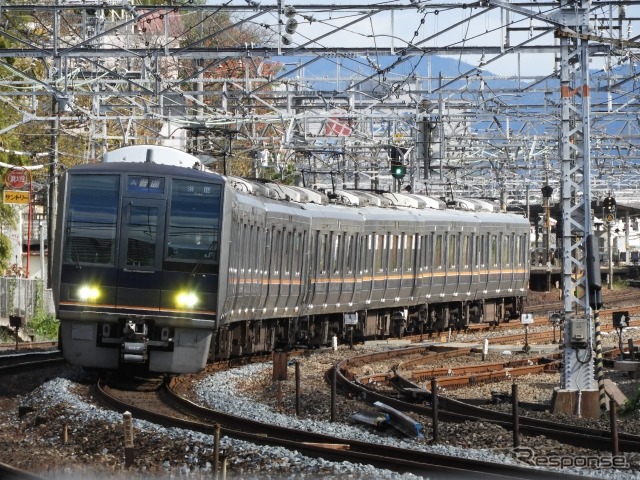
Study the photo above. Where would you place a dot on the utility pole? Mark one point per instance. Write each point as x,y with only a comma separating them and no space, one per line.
577,393
546,196
53,164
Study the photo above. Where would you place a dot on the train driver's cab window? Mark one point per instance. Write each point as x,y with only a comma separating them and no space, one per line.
90,230
194,221
142,236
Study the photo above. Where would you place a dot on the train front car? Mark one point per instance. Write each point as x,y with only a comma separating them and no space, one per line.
137,263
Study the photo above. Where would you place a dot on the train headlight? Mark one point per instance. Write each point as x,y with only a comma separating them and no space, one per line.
88,293
186,299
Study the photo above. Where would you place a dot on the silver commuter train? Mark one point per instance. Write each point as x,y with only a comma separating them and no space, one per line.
185,264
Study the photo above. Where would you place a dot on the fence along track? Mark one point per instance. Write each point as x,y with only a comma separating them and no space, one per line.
19,296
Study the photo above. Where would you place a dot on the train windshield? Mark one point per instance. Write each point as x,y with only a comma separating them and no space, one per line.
194,221
92,219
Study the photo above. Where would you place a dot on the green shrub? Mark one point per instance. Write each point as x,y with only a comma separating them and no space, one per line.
631,405
42,324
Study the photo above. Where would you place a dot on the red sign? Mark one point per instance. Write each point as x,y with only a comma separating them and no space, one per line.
15,178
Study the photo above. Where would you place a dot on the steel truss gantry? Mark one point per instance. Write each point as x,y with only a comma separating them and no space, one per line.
577,223
120,73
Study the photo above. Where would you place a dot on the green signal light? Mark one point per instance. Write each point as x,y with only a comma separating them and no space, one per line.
398,171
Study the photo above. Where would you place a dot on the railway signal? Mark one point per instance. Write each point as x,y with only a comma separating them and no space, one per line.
620,322
398,169
609,209
526,319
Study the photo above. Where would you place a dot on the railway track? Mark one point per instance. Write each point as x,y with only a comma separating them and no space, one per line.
7,472
404,382
457,411
541,319
609,301
468,375
316,445
10,364
28,345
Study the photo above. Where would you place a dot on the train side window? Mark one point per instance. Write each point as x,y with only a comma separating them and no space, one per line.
297,250
242,244
267,251
335,252
425,249
369,254
437,252
464,251
393,253
277,248
473,250
359,255
322,252
257,237
407,256
452,252
253,243
348,250
381,244
286,253
520,250
506,250
304,244
90,233
246,260
493,251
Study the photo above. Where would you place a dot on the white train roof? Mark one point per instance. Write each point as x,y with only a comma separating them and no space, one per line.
153,153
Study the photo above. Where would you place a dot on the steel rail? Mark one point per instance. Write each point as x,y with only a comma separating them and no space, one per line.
437,466
457,411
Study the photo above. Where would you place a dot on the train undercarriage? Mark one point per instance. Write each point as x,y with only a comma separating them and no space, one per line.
314,331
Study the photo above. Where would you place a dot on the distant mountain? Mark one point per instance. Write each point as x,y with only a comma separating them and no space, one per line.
318,71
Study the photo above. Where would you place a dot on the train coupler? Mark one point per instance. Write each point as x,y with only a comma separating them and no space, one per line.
134,352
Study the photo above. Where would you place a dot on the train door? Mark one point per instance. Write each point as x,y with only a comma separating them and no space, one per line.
141,248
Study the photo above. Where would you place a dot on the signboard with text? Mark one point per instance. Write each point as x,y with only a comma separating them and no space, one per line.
15,178
15,197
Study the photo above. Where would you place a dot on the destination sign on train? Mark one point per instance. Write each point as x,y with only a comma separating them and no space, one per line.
145,184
